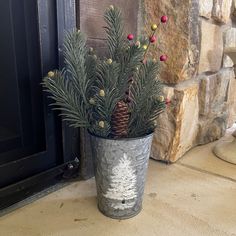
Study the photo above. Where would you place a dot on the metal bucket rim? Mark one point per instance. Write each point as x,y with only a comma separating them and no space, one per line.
122,139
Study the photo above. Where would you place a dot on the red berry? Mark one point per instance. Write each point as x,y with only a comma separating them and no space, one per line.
168,101
130,37
152,39
163,58
164,19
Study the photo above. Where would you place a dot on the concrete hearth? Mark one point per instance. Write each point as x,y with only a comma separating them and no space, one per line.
195,196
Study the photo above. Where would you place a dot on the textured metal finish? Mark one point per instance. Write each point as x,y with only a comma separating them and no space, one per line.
120,172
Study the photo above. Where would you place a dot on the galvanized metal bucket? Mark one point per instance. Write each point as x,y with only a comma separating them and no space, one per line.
120,172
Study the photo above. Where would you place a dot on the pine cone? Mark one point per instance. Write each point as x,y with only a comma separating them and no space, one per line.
120,120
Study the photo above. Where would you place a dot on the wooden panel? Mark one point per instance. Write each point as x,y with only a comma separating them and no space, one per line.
90,20
99,46
91,16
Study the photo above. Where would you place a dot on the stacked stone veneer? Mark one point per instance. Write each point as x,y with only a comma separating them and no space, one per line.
198,77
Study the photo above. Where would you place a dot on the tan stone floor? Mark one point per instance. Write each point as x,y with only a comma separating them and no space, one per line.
196,196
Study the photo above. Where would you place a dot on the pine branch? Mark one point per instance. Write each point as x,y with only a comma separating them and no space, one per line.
115,32
76,57
130,62
66,99
88,90
148,120
128,56
146,105
107,80
90,68
80,68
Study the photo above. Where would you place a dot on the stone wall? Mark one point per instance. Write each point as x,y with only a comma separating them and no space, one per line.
198,77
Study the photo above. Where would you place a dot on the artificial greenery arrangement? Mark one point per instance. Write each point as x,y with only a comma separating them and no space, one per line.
116,97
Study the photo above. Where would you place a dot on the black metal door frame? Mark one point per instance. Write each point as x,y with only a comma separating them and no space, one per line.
65,20
55,17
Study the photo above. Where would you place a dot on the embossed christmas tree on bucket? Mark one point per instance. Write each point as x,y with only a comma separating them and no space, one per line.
123,185
117,99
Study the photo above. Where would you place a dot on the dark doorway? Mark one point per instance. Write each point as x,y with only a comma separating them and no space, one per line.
31,135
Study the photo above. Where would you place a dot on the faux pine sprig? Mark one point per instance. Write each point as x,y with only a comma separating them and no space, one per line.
115,97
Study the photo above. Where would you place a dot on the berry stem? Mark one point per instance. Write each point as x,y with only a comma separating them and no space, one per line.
161,50
149,43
